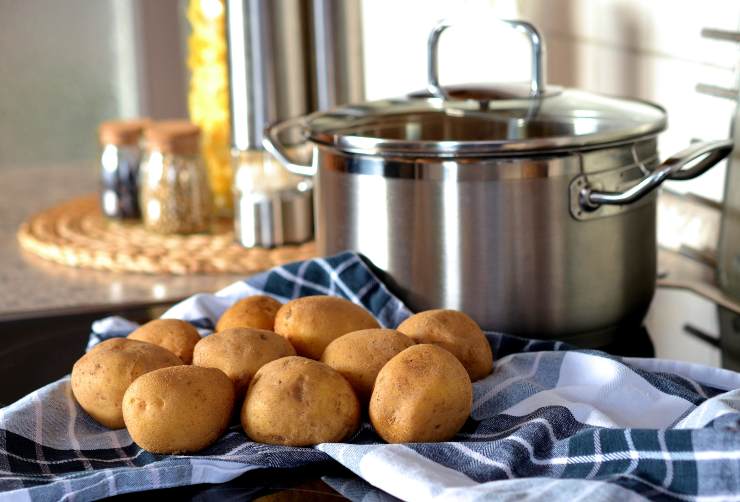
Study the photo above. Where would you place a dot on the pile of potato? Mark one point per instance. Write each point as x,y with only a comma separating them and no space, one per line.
298,374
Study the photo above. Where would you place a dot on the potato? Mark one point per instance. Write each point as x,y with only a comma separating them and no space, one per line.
253,312
179,337
456,332
178,410
312,322
100,377
359,356
240,352
299,402
422,394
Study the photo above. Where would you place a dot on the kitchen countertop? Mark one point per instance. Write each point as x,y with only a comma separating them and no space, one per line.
32,287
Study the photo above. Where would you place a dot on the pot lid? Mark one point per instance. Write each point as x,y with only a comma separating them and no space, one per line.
486,120
559,120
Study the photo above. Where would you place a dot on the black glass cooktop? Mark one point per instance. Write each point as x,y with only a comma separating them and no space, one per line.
635,343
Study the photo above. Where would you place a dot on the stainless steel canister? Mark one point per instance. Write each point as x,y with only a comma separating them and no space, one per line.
286,58
532,210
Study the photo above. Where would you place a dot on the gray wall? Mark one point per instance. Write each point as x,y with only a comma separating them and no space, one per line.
67,65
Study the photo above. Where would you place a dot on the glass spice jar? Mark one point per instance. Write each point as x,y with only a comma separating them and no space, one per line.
120,156
175,197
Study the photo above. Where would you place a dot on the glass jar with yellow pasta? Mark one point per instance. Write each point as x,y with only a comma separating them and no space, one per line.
208,98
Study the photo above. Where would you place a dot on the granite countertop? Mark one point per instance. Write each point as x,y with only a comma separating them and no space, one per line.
32,287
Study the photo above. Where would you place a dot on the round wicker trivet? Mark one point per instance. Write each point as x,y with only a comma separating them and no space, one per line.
78,235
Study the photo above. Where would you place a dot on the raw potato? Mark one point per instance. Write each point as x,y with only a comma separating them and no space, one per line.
178,410
456,332
313,322
240,352
423,394
253,312
100,377
299,402
179,337
359,356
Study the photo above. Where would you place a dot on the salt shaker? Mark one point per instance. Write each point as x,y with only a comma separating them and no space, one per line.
175,196
120,143
273,207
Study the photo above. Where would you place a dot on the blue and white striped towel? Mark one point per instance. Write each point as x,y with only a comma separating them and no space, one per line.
550,422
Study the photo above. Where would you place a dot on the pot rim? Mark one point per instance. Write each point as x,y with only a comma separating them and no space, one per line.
385,150
608,159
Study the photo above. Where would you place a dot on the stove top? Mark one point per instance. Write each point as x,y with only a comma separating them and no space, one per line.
681,325
686,326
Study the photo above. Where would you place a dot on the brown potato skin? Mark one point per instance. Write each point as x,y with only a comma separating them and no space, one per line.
455,331
423,394
179,337
313,322
179,409
299,402
360,355
253,312
100,377
240,352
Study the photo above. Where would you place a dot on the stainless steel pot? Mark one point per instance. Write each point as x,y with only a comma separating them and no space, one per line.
534,213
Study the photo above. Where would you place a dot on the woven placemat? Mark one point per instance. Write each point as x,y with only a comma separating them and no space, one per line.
77,234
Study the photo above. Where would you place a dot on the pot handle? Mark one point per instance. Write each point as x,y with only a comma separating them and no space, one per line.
670,169
271,142
537,80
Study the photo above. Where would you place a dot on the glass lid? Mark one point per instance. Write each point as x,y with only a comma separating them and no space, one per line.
486,120
567,120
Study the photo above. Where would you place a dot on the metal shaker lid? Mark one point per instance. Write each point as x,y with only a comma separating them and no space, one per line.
486,120
269,219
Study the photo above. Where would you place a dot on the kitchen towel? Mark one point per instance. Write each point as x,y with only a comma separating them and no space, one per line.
550,422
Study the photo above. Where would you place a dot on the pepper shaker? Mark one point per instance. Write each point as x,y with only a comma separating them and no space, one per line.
119,167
